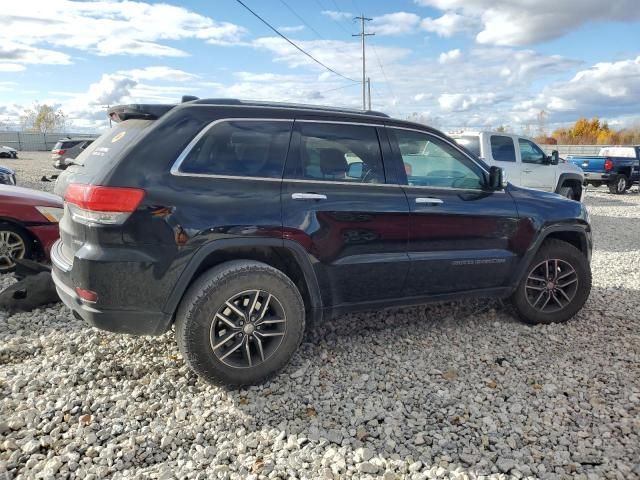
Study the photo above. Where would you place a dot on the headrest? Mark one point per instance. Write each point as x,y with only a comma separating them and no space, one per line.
332,162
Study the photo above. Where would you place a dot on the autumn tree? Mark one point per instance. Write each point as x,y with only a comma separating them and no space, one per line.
43,118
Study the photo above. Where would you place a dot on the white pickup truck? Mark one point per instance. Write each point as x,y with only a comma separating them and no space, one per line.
524,163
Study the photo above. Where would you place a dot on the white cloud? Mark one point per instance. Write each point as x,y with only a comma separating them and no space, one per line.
11,67
158,73
607,89
16,53
335,15
397,23
450,56
106,27
525,22
292,29
448,24
461,102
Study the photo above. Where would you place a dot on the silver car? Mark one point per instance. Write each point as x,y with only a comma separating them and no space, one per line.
67,149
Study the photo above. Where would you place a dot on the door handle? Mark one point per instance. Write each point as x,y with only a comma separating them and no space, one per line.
308,196
526,171
429,201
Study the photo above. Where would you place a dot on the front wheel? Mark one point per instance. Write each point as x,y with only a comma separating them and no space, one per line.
555,286
240,323
567,192
618,185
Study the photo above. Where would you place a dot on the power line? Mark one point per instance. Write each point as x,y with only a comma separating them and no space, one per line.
323,8
384,74
302,19
293,44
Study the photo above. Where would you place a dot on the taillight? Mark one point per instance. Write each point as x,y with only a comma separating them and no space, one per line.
58,151
87,295
95,204
608,164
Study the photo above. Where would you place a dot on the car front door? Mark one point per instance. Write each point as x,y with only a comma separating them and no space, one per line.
461,235
536,171
338,205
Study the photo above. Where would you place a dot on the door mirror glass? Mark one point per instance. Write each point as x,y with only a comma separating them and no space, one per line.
497,179
355,170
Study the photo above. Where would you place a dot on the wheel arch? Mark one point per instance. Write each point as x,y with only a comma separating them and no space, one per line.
575,235
284,255
36,245
572,180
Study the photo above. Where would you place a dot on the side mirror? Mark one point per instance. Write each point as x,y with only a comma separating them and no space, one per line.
552,159
355,170
497,178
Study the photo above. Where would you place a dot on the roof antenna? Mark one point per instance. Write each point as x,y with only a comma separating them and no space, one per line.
188,98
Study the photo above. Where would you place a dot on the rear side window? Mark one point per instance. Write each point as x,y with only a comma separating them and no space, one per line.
339,152
240,148
502,148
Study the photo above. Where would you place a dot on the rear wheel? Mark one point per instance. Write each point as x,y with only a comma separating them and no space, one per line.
556,285
5,155
240,323
14,243
618,185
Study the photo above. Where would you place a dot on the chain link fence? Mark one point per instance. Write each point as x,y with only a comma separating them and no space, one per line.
35,141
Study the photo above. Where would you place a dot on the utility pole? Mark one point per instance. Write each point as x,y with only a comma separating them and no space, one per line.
369,91
362,34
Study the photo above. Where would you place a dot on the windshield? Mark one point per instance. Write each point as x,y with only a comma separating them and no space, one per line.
471,143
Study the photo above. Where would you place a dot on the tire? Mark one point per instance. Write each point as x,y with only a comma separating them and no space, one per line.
10,236
577,285
567,192
201,331
5,155
618,185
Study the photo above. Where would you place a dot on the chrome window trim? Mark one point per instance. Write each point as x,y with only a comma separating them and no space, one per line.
175,168
339,122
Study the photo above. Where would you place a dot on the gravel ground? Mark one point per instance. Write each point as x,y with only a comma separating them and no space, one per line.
30,167
456,390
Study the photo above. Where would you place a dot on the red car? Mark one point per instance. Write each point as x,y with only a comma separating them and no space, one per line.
28,224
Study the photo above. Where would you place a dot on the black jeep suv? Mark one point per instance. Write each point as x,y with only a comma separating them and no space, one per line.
243,222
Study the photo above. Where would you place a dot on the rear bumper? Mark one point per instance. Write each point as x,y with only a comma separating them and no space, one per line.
596,177
134,322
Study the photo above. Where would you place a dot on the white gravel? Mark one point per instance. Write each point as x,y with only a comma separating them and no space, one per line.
458,390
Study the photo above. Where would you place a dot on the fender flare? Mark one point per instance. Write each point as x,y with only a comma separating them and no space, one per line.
568,176
521,270
298,252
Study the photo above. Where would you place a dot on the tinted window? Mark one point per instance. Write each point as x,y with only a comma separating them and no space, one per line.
502,148
530,152
65,144
345,153
471,143
242,148
431,162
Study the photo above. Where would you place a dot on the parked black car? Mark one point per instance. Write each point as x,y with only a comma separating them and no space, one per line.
66,150
242,223
7,176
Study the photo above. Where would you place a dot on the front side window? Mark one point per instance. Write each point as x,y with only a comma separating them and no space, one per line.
340,152
530,152
241,148
502,148
471,143
432,162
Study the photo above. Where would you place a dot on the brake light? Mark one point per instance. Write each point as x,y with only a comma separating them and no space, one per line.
95,204
608,165
58,151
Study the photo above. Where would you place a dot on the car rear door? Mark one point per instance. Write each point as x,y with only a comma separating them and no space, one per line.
460,234
503,152
338,203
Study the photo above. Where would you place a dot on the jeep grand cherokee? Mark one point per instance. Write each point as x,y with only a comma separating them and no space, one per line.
240,223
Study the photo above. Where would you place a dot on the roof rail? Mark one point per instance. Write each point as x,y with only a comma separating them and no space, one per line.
302,106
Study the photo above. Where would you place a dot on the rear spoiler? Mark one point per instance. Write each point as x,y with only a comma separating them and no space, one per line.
142,111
